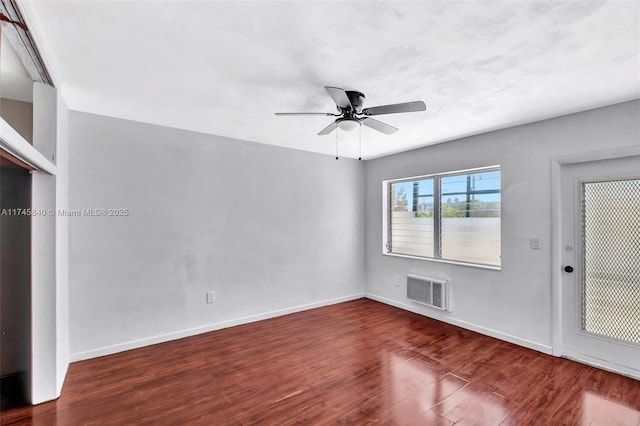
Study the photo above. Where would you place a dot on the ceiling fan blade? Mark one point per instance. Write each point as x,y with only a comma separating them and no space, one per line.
330,128
379,126
340,97
395,108
303,113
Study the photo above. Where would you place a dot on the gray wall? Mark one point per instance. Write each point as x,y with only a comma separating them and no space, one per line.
514,303
269,229
18,115
273,230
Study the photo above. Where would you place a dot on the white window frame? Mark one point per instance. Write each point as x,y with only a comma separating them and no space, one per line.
386,184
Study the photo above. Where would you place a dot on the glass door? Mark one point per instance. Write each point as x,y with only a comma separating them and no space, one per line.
601,263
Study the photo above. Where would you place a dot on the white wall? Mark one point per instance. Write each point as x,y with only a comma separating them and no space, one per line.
49,252
43,246
515,303
43,290
62,242
269,229
45,120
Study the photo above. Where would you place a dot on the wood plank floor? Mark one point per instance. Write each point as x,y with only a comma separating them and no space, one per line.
355,363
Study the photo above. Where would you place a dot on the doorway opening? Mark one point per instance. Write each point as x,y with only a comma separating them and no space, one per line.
15,284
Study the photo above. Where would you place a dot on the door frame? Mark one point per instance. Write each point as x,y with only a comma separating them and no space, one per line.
557,164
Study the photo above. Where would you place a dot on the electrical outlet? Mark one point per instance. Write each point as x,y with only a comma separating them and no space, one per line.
535,243
211,296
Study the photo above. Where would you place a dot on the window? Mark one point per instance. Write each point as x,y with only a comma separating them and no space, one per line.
450,216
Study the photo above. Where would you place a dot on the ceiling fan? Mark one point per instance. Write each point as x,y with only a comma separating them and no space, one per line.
351,114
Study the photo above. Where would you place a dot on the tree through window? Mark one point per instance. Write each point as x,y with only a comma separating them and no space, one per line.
452,216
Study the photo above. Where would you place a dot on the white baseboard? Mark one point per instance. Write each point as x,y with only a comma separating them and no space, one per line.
133,344
540,347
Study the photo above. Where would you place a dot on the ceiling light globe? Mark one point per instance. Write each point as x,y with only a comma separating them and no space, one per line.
349,125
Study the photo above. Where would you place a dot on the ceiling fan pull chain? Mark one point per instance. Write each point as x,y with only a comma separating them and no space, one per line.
360,143
336,144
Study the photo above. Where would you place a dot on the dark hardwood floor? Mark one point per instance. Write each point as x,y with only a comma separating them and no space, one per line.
354,363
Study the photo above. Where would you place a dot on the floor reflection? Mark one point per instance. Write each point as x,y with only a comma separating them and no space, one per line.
427,394
597,410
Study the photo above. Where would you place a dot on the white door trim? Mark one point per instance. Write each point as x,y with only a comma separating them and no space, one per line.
13,143
556,239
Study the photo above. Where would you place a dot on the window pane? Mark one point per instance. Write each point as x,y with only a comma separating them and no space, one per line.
470,223
412,218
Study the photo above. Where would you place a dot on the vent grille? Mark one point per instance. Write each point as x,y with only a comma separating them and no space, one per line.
428,291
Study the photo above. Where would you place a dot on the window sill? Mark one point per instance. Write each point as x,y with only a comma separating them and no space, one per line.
451,262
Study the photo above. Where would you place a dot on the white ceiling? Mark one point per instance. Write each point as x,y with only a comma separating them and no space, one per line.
225,67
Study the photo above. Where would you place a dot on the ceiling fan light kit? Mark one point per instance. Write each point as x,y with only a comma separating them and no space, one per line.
352,116
348,124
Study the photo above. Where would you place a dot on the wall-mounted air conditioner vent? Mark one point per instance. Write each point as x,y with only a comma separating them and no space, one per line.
428,291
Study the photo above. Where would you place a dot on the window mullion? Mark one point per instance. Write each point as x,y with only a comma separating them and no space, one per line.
437,246
389,217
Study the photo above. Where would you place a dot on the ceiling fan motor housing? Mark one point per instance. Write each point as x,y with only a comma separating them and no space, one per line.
356,98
